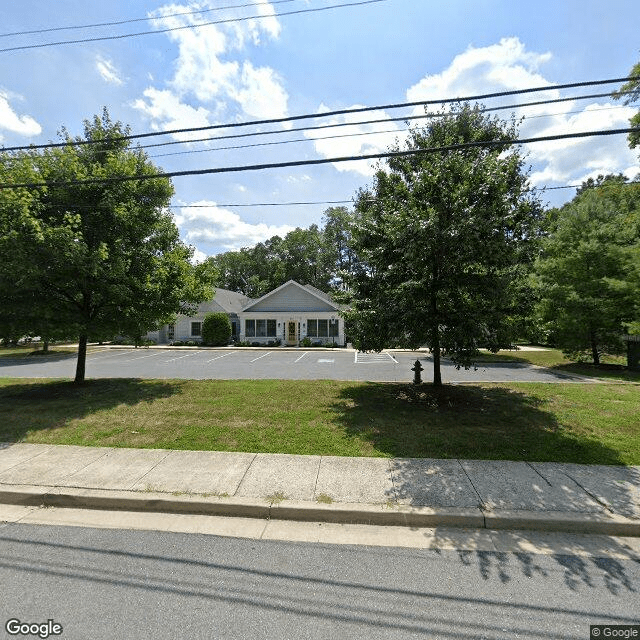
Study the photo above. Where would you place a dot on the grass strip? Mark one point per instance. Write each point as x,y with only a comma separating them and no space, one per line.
582,423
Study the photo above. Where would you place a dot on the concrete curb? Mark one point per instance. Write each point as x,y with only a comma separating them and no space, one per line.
343,513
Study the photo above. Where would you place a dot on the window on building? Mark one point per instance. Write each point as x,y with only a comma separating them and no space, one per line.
260,328
196,329
317,328
171,331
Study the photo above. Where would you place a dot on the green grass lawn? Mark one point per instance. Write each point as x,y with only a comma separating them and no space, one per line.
584,423
34,350
612,367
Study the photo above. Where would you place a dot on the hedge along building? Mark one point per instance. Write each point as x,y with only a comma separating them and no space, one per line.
290,313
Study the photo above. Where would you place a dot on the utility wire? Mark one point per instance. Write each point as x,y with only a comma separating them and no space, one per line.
302,163
346,135
326,114
188,26
130,20
360,122
174,206
348,124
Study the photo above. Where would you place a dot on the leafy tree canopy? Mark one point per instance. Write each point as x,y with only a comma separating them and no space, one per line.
314,255
440,239
630,93
92,259
589,272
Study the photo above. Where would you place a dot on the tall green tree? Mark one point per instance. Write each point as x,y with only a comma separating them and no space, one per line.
336,230
439,238
589,272
302,255
93,258
630,94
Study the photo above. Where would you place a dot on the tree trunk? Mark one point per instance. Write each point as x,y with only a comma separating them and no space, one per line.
435,350
437,379
435,335
594,349
45,345
82,359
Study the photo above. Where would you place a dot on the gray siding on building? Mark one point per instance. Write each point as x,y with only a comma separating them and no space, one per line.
291,298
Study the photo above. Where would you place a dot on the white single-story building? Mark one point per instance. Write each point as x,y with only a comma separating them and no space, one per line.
290,313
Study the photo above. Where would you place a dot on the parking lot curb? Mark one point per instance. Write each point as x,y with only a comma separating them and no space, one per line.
303,511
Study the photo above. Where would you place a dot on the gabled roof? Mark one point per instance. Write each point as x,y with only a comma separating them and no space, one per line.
317,291
224,300
322,300
230,301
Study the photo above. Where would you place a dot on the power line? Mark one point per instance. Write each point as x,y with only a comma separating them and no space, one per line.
174,206
348,124
595,186
146,19
189,26
302,163
256,204
326,114
362,122
365,133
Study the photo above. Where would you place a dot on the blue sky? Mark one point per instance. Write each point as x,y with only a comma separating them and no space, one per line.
386,52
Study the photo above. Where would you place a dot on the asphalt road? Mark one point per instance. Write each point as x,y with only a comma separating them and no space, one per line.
254,364
110,583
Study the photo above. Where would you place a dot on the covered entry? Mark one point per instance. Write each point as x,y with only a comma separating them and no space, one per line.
293,332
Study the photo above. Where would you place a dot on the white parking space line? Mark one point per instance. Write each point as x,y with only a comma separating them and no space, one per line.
373,358
224,355
185,356
115,355
302,356
151,355
262,356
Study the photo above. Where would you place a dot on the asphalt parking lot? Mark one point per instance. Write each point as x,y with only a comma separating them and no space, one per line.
247,364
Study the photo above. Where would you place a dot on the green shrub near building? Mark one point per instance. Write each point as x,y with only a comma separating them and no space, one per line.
216,329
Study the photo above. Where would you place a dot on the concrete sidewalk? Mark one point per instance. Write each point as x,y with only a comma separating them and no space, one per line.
411,492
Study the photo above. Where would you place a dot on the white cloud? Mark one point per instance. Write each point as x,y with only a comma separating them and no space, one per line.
198,256
166,107
574,160
108,71
509,66
11,121
260,92
211,68
211,227
299,179
351,141
503,66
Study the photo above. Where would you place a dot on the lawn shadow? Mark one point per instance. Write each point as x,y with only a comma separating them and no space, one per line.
461,421
608,371
32,357
430,433
44,405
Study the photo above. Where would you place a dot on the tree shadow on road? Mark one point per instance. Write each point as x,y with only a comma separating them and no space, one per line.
581,568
